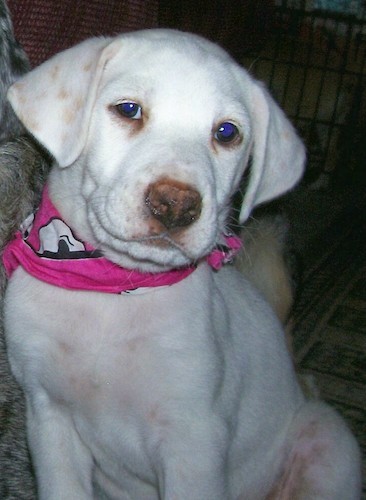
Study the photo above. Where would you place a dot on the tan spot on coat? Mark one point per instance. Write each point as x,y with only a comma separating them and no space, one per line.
135,343
156,417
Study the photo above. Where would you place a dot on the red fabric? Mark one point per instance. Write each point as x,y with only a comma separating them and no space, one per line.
75,265
44,27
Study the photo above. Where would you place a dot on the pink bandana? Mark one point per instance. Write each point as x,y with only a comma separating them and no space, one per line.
49,250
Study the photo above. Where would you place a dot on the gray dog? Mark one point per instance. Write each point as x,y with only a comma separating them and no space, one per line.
22,170
13,63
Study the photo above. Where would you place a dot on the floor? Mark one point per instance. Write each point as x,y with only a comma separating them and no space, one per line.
329,317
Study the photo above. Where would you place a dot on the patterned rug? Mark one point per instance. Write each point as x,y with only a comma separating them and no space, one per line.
329,317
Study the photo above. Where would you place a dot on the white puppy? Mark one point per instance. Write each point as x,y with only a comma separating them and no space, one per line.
185,391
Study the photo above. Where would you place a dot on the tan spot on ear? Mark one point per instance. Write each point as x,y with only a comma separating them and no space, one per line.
41,95
78,103
111,51
63,94
70,112
19,85
87,67
31,124
22,99
69,116
54,72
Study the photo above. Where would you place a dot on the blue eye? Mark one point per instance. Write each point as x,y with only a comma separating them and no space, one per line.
130,110
226,132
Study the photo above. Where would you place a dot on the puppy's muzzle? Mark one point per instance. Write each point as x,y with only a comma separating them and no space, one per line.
173,204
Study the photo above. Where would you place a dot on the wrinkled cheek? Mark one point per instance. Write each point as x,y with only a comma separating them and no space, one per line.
89,185
102,169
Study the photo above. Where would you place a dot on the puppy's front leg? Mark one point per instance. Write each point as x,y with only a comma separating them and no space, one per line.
194,465
63,464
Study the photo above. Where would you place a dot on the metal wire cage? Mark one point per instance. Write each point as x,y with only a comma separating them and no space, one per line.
314,63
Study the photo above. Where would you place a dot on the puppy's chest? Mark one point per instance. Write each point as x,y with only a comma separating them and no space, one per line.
98,369
96,353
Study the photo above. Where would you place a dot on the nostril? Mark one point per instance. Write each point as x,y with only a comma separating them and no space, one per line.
173,204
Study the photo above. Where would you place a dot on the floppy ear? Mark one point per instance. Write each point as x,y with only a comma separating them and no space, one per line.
55,100
278,154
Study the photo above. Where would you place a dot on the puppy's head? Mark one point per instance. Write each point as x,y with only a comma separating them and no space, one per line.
151,132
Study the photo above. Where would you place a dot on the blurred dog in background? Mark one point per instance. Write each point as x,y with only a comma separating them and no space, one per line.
13,63
23,168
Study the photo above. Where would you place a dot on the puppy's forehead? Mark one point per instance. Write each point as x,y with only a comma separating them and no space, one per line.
184,63
162,43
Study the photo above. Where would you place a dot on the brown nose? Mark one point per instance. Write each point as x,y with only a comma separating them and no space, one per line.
173,203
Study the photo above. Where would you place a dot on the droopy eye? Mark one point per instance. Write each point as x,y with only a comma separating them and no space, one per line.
226,132
130,110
